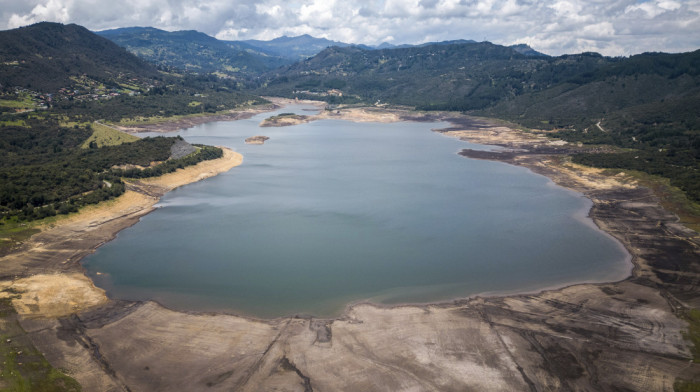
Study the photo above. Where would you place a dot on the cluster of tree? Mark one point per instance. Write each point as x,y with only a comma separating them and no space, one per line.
38,142
203,153
44,172
163,102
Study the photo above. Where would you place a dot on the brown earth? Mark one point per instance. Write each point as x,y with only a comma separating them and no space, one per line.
285,121
610,337
256,139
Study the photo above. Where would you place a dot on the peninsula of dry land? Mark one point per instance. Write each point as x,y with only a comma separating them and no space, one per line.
628,335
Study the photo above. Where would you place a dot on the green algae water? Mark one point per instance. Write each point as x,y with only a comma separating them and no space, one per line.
331,212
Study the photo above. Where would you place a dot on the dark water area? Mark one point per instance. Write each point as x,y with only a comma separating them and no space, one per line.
334,212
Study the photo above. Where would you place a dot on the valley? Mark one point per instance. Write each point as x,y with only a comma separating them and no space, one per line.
601,126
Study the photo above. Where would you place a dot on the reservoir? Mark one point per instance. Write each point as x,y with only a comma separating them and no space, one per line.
332,212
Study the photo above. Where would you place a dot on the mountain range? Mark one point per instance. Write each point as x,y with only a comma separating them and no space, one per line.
194,51
461,75
294,48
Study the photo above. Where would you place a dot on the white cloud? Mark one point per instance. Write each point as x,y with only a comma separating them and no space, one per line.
612,27
602,30
652,9
669,5
318,12
53,10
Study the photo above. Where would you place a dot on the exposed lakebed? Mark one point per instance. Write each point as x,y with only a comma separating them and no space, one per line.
332,212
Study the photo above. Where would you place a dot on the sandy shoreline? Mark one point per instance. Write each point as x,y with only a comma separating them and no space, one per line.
584,336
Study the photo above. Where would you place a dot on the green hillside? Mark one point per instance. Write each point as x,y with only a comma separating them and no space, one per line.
193,51
664,80
77,74
103,135
49,56
460,76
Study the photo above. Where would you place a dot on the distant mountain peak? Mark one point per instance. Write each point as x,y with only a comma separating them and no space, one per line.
526,50
193,51
294,48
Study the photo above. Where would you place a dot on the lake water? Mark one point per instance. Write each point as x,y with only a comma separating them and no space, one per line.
333,212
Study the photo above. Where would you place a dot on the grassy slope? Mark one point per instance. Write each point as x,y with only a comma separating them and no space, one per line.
103,135
23,367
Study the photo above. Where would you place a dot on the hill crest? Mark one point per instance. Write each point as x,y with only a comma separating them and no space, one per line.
48,56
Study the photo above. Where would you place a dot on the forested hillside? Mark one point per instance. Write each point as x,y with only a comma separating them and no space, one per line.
667,81
459,76
74,72
49,56
193,51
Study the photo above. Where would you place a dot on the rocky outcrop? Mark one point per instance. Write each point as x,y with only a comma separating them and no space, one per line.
256,140
286,120
181,149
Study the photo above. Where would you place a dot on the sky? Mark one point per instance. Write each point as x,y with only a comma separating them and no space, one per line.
609,27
